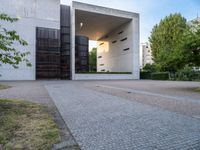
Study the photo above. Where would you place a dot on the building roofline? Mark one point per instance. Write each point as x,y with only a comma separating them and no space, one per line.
101,9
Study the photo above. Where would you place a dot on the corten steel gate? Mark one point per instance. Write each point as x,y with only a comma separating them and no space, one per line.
47,53
65,42
82,54
53,50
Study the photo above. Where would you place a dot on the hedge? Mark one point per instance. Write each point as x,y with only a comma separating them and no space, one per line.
94,72
181,76
160,76
145,75
186,76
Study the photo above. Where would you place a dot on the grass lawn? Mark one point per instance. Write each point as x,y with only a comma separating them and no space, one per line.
2,87
197,90
25,125
103,72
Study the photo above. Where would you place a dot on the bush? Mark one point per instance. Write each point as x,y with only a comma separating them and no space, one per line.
186,74
94,72
189,76
145,75
160,76
149,68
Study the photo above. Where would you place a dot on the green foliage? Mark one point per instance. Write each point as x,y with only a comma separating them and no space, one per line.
166,42
175,48
145,75
93,60
149,68
186,74
175,43
95,72
9,54
160,76
5,17
191,45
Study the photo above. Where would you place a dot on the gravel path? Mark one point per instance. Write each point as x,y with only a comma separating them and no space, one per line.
102,118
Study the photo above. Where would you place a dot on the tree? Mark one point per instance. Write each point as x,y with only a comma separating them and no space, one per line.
9,54
191,44
93,60
166,42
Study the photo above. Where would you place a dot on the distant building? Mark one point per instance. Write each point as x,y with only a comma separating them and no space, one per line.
146,54
193,23
198,19
195,20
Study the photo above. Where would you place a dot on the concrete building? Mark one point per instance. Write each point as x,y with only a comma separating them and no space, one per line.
146,54
32,14
50,30
115,51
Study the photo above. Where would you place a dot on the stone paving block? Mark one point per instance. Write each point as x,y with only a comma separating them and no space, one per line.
100,121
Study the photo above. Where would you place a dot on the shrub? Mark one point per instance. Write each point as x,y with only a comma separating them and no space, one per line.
160,76
145,75
149,68
187,74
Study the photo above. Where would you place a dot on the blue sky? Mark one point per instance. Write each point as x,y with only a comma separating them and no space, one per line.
151,11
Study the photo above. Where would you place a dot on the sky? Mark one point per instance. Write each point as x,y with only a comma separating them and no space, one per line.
151,11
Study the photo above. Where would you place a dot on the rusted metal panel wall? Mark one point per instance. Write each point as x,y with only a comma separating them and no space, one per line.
65,42
82,54
47,53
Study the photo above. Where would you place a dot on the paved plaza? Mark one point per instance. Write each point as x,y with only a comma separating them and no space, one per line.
120,115
129,115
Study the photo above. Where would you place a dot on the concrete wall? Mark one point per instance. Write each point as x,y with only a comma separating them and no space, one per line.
115,53
103,76
136,47
32,14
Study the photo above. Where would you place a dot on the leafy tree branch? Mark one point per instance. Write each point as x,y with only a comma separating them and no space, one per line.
8,38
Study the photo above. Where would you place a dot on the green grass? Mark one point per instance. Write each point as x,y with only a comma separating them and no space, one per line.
25,125
103,72
2,86
197,90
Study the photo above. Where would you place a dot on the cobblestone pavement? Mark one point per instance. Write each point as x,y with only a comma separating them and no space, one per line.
129,115
181,101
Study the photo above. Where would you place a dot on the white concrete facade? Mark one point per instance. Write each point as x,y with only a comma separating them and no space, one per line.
146,54
31,14
103,76
115,53
122,56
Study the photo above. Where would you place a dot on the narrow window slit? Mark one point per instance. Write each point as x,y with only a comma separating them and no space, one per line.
120,32
114,41
101,43
126,49
123,39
